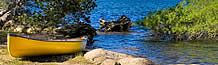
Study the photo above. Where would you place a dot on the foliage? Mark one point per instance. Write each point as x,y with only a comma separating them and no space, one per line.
51,13
190,20
3,36
3,4
7,8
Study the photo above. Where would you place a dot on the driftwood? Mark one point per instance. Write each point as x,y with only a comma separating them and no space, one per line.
121,25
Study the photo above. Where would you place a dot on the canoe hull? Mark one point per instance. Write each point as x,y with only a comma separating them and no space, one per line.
20,46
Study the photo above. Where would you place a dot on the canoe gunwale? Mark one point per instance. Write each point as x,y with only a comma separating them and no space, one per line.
44,40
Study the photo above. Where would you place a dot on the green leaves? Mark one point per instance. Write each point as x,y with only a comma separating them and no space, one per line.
52,13
198,16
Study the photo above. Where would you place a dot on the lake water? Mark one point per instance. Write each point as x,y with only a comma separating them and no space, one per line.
136,43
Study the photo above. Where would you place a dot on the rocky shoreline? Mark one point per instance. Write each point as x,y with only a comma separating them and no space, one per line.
93,57
105,57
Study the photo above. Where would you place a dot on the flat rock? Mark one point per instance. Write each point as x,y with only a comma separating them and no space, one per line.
104,57
94,54
109,62
135,61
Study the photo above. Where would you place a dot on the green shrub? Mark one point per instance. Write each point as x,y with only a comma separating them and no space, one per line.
45,14
190,20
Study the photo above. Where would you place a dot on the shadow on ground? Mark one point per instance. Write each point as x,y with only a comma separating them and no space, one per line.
53,58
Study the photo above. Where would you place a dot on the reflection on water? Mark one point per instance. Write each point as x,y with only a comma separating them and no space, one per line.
133,43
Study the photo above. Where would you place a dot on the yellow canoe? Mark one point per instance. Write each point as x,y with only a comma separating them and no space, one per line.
19,46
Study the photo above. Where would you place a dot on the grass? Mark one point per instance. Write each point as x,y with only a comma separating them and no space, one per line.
80,60
189,20
3,52
69,59
14,62
5,59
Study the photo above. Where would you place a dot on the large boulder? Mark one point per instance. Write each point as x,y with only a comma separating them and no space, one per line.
134,61
104,57
109,62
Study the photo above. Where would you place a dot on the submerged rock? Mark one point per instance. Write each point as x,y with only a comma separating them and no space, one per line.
104,57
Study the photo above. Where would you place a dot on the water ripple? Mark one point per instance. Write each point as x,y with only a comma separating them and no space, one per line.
134,43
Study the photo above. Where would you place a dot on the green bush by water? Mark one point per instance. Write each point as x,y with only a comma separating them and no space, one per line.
190,20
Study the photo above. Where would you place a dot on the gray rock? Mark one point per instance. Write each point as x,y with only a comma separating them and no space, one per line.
99,60
135,61
104,57
109,62
19,28
94,54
